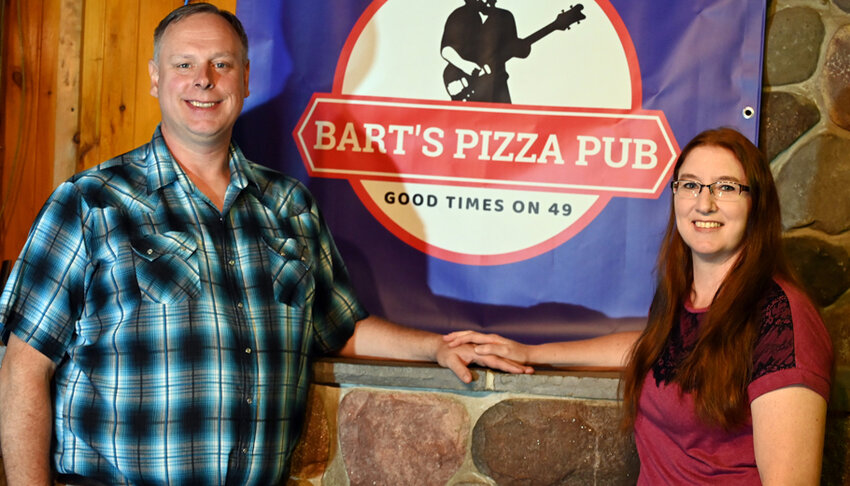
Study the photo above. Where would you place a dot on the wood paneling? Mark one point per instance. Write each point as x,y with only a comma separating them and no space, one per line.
75,92
118,112
30,38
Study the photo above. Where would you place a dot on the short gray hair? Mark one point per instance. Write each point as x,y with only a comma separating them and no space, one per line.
198,8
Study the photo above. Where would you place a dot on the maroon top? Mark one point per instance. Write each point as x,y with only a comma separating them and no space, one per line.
675,447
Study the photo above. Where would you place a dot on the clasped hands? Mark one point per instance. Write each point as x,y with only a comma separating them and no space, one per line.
462,348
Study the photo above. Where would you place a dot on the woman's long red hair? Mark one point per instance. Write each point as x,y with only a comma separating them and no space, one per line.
718,369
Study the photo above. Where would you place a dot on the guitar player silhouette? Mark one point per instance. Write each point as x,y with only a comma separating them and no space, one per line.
479,39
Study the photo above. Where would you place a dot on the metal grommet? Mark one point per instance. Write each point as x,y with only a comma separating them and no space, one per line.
748,112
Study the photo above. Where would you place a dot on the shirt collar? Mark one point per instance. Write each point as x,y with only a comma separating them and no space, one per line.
162,169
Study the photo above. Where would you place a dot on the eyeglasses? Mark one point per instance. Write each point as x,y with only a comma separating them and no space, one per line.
721,190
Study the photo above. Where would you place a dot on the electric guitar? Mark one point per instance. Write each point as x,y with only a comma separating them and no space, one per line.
454,77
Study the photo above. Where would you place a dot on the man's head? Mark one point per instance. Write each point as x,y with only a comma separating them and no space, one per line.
200,75
483,6
195,8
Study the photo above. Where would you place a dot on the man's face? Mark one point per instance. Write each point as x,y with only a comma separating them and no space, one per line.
484,6
201,80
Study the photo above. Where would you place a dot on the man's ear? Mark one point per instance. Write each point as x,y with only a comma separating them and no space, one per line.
153,71
247,70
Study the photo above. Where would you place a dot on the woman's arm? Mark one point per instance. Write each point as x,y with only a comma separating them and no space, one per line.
611,350
379,338
788,431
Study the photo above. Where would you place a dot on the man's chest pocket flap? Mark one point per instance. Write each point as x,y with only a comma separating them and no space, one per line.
167,267
291,270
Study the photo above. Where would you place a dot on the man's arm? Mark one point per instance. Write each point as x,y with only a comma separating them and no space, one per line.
452,57
26,414
378,338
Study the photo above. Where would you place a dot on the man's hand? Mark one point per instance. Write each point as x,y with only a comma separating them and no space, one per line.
490,345
378,338
459,356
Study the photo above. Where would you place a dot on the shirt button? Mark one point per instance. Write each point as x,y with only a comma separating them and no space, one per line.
239,305
247,350
244,450
149,252
231,262
249,401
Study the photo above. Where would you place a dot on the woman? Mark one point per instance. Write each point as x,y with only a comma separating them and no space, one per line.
729,380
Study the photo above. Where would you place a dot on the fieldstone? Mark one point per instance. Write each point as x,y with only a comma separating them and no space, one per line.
822,267
601,385
842,4
335,474
618,460
402,438
784,118
836,77
836,318
312,453
553,442
813,186
470,479
836,453
393,374
792,46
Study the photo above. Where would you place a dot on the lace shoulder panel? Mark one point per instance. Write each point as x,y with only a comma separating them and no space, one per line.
679,344
774,347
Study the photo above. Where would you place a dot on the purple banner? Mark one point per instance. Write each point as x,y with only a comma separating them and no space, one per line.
497,165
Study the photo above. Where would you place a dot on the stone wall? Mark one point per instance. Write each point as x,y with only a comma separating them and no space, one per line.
379,423
391,423
805,131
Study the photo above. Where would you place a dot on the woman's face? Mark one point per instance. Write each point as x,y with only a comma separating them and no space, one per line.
712,228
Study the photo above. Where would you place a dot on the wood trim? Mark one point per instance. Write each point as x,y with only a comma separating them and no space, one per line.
66,140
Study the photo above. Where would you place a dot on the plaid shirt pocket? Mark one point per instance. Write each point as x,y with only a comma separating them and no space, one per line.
292,277
167,267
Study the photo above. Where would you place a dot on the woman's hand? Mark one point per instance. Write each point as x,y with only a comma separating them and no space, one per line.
608,351
490,345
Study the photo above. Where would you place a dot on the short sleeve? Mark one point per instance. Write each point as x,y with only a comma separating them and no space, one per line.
336,308
43,296
794,347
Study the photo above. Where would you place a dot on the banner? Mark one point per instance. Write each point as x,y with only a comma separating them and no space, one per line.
497,165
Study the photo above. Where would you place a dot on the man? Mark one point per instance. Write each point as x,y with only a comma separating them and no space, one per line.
161,318
478,39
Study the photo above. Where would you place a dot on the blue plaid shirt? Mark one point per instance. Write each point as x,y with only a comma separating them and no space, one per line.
182,333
